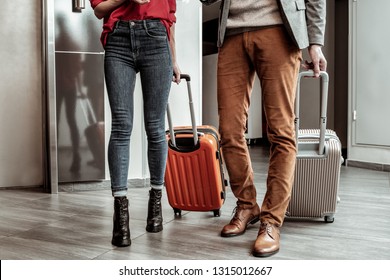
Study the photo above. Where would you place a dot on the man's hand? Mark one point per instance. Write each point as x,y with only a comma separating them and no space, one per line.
318,61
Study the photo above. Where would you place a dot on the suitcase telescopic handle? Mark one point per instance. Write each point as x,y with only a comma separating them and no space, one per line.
192,111
324,77
185,77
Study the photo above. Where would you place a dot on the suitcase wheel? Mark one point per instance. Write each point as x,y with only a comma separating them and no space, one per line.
329,219
177,212
217,213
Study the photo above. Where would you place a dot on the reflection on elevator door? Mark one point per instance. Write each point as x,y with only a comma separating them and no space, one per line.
79,79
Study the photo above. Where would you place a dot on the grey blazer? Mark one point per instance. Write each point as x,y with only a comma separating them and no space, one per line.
303,19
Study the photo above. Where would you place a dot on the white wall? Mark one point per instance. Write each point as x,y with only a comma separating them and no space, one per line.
189,57
20,94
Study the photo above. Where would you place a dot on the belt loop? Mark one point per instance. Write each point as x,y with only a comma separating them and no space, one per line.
145,25
117,24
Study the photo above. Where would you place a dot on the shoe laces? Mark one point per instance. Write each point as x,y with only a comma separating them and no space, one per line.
235,214
266,227
123,212
122,220
155,208
155,201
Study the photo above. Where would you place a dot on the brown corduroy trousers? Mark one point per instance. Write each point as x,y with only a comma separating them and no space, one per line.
270,54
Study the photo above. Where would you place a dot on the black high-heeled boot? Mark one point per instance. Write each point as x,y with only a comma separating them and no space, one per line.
154,220
121,231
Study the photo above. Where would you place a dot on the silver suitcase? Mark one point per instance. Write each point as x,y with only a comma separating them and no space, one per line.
318,164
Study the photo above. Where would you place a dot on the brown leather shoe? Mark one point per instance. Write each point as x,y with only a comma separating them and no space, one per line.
267,242
242,218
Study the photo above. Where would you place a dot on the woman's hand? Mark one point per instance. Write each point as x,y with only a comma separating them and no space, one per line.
176,73
141,2
106,7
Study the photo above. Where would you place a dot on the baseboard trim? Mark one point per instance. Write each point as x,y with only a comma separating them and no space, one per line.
368,165
99,185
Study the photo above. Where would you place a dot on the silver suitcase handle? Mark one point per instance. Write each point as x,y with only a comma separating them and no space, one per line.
324,77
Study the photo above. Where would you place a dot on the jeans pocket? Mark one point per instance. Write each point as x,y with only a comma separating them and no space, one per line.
111,34
156,31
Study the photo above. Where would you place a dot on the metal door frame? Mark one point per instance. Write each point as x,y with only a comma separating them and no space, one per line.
50,165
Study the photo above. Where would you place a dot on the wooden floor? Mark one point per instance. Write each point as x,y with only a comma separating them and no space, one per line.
77,225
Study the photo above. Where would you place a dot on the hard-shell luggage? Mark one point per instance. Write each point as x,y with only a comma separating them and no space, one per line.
318,164
194,177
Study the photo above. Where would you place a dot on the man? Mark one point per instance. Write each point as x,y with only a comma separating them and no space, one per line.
264,38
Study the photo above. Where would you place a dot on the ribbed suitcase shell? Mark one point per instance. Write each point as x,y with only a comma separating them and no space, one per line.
318,163
194,175
316,183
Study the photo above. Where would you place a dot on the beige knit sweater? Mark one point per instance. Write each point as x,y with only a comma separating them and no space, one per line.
252,14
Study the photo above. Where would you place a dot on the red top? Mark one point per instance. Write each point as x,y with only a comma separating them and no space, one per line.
129,10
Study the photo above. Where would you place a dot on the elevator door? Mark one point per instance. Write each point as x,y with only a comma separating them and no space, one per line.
79,88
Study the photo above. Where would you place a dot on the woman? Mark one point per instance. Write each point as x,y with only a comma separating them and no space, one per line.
138,37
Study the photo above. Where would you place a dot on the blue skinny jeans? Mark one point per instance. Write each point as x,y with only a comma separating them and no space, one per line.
137,47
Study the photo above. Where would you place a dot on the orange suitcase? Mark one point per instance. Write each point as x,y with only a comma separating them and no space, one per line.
194,177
